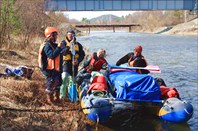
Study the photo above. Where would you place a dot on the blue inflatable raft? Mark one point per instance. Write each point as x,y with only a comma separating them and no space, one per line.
103,97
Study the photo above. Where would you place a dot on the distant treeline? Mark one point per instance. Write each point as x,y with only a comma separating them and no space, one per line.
148,19
21,21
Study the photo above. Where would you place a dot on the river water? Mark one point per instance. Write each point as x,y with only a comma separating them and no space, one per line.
176,56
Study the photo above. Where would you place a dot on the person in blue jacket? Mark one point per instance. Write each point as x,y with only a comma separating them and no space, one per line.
50,62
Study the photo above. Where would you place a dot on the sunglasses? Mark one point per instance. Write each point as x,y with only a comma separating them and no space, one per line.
54,33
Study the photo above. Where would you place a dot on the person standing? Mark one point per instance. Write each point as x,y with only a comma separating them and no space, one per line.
50,63
68,63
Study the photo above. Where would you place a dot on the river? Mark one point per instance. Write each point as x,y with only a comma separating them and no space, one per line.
176,56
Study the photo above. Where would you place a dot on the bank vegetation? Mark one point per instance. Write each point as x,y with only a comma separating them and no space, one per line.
21,21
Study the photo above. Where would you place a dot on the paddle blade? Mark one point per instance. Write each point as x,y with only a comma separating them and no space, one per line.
153,69
73,93
73,49
150,68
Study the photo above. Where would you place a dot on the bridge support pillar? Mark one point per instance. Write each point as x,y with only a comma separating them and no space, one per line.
113,28
129,28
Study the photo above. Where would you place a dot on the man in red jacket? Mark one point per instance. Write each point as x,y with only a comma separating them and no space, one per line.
95,63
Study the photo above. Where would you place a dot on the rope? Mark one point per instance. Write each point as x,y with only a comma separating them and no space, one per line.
63,110
36,110
48,110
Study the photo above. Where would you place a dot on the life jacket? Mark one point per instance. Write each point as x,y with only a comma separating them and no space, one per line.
167,92
139,61
51,63
98,83
68,57
95,63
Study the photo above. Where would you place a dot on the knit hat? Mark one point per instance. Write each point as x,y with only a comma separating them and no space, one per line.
138,49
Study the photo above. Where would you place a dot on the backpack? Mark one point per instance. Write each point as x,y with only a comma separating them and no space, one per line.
21,71
167,92
40,56
98,83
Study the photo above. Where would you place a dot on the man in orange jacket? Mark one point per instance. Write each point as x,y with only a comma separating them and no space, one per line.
50,62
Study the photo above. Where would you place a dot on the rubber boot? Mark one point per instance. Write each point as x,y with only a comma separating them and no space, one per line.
50,98
63,88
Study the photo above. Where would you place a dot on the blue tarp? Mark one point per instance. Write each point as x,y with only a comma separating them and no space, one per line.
130,86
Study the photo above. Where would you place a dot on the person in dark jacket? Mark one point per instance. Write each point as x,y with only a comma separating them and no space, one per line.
131,56
68,63
51,64
139,62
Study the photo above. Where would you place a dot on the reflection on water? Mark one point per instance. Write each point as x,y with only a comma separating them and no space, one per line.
146,123
175,55
139,120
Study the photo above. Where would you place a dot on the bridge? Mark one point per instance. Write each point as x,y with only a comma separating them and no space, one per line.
107,26
119,5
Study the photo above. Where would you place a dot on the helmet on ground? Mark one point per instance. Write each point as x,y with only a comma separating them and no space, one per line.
49,31
71,31
138,49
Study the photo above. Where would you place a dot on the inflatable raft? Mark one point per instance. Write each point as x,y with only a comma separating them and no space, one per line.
104,97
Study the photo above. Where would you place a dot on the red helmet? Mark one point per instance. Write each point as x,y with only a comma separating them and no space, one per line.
138,49
49,31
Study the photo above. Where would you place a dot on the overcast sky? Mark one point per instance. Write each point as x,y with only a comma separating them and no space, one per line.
78,15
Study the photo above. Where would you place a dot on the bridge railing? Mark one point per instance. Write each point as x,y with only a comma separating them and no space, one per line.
89,26
119,5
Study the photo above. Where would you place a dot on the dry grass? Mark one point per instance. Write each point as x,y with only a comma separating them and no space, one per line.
22,93
188,28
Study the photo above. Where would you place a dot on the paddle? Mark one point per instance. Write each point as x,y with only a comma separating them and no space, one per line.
73,94
151,68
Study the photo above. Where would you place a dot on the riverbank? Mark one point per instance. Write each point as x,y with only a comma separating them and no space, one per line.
23,103
188,28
